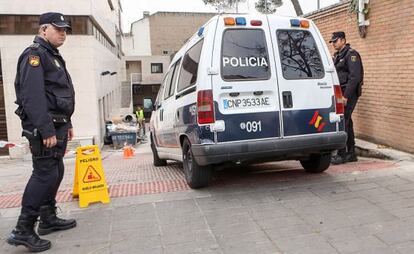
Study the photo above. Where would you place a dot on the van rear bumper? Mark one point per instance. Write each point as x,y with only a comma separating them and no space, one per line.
269,149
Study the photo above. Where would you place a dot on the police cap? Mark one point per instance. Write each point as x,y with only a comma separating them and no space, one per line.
53,18
336,36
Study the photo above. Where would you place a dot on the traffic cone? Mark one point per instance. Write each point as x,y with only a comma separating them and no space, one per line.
127,152
131,151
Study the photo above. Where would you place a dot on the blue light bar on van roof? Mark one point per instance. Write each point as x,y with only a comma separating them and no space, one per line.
295,22
240,21
200,31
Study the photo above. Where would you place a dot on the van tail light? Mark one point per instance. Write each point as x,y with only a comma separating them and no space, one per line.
205,107
339,99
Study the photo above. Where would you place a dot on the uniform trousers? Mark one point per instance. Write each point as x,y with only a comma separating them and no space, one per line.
349,125
47,174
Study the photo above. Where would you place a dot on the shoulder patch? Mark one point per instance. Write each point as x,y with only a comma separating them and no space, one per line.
34,60
35,45
354,58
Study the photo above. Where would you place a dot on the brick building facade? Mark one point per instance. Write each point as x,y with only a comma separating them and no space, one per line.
385,112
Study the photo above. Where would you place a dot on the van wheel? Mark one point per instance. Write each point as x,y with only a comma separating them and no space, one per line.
157,161
317,163
196,176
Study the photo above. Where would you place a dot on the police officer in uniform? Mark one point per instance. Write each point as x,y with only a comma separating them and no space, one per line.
45,99
350,71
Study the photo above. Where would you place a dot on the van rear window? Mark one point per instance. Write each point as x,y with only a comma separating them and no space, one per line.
244,55
299,55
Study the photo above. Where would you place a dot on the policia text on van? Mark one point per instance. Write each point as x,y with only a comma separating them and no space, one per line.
246,89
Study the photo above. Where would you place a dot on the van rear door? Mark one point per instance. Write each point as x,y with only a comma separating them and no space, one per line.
304,76
243,80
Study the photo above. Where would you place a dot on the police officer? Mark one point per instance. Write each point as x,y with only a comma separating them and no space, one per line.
350,71
45,98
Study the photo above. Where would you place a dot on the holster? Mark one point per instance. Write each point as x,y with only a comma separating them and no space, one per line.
35,141
39,150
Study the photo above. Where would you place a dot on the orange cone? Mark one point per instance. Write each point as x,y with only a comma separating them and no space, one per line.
131,151
127,152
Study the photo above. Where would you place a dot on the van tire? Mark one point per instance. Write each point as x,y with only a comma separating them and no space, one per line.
196,176
317,163
157,161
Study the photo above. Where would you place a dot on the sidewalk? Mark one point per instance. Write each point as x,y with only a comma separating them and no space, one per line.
267,208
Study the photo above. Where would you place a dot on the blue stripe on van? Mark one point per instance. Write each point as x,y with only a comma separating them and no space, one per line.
310,121
300,122
238,126
187,124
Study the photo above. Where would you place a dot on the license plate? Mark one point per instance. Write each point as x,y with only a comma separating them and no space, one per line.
246,102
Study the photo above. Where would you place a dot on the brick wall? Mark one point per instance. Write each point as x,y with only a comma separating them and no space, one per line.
385,112
170,30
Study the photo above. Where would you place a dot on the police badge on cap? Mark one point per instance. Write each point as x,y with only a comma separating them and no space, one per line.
54,18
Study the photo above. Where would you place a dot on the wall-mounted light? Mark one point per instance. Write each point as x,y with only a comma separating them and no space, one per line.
113,73
105,73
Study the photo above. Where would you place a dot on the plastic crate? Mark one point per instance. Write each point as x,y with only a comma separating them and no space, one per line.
120,139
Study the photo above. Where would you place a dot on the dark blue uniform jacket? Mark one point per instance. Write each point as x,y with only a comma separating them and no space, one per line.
44,88
350,71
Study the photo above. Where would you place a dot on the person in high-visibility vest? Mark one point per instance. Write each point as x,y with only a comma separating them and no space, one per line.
140,117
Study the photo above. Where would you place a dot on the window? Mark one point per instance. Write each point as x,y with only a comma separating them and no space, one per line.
167,84
165,52
175,76
81,25
156,67
171,80
189,69
244,55
299,55
19,24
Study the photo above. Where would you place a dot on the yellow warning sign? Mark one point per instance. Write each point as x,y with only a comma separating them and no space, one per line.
91,175
89,183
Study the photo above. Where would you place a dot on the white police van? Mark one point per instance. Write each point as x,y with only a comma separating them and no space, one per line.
249,89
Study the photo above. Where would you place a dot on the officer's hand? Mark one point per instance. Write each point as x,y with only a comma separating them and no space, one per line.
345,101
70,134
50,142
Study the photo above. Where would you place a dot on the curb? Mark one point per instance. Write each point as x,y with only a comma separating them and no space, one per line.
377,151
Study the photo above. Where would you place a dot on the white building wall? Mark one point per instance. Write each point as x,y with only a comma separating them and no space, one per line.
145,67
10,49
99,9
85,58
140,39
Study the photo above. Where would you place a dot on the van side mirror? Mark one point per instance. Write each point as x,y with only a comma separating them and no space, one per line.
148,105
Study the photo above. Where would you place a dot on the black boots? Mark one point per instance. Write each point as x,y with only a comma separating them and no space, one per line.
24,234
344,158
49,222
351,157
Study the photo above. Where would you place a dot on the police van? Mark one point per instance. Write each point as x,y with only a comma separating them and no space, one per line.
249,89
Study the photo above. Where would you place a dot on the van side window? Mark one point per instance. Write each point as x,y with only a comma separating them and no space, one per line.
170,80
167,84
244,55
158,100
189,69
299,55
175,76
